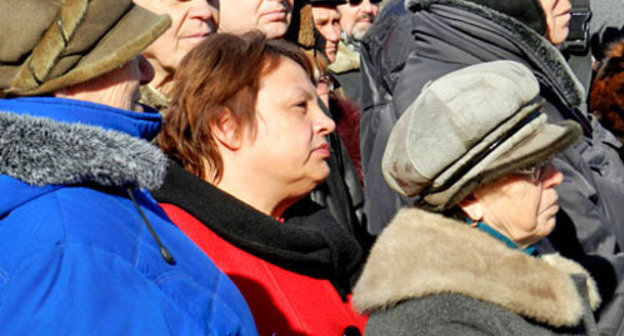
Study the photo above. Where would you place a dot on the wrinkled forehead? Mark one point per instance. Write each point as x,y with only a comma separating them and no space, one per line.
325,13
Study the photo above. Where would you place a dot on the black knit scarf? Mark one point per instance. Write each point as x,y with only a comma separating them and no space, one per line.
309,242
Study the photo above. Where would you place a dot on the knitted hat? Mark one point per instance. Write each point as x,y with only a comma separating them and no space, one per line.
47,45
469,128
529,12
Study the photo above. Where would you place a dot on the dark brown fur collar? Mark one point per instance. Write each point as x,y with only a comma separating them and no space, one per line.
422,253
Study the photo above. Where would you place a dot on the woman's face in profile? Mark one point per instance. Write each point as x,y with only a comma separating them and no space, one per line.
289,149
521,206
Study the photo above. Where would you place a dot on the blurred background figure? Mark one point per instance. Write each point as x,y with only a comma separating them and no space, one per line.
463,260
356,17
247,142
344,111
342,192
88,250
327,23
272,17
192,22
607,94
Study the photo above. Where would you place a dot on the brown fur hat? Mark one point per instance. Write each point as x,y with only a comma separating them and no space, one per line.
47,45
607,94
301,29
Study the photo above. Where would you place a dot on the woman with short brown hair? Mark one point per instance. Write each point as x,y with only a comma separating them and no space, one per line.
247,141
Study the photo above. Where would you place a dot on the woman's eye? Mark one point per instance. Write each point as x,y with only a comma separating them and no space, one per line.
302,104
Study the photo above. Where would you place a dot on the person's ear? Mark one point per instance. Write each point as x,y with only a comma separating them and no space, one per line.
472,207
226,131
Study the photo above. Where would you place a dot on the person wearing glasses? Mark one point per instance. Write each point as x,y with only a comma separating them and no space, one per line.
474,148
356,18
419,41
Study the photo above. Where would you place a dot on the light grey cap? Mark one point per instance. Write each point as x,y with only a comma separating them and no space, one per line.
468,128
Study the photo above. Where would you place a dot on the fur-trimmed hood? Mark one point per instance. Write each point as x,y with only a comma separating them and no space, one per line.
39,150
555,67
422,253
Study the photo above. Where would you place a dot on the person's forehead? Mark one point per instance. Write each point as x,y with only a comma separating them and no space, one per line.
354,5
325,12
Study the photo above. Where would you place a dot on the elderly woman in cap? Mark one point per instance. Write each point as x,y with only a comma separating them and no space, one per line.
86,250
474,147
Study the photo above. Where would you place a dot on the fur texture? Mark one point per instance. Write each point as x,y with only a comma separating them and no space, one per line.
301,29
607,94
550,56
45,54
40,151
422,253
32,78
154,99
346,60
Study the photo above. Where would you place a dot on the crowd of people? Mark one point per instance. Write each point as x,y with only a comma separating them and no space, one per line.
312,167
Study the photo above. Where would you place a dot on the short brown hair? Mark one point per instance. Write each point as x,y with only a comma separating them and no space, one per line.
221,74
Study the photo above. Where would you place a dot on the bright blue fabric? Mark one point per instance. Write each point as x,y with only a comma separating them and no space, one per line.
80,261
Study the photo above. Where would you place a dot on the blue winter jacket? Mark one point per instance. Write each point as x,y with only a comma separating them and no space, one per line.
78,258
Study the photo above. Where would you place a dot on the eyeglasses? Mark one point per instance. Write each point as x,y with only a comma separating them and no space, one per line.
357,2
534,173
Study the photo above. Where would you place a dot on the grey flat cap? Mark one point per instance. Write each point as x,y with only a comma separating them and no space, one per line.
468,128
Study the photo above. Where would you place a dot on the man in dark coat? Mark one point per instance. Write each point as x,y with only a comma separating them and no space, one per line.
356,18
412,45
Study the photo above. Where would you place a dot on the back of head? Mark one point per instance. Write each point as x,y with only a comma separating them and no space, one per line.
47,45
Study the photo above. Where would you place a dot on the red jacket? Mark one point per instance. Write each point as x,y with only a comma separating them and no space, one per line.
294,275
282,302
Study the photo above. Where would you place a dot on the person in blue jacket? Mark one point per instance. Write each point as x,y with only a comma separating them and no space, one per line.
85,249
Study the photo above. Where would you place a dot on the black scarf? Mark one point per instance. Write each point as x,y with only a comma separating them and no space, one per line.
310,242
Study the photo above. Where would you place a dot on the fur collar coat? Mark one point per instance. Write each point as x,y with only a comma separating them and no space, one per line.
422,255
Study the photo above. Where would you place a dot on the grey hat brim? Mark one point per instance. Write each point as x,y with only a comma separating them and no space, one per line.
518,152
134,32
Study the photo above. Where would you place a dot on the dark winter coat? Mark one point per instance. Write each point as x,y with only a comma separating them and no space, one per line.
78,257
436,37
346,68
296,276
431,275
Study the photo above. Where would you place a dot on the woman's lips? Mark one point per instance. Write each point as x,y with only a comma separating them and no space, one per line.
322,150
274,16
